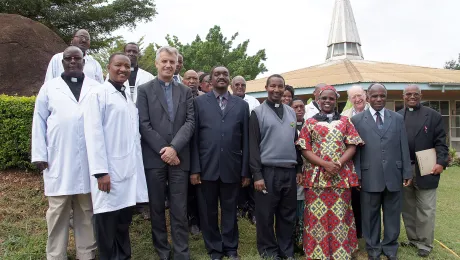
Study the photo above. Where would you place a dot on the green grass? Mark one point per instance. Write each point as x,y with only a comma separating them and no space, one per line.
23,228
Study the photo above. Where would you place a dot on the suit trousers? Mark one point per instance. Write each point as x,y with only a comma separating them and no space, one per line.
280,204
57,219
210,193
390,203
192,206
177,191
419,213
112,234
246,201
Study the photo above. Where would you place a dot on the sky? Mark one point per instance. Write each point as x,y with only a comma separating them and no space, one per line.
294,33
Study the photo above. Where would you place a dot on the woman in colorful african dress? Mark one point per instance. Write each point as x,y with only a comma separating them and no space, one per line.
328,141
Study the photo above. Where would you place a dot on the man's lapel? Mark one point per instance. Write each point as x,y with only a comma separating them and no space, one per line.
386,121
212,100
158,90
230,104
422,118
175,96
369,118
85,88
64,88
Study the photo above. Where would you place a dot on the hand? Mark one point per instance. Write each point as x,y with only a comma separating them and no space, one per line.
339,164
103,183
331,168
41,165
260,185
195,179
437,169
359,186
245,182
299,178
175,161
407,182
168,154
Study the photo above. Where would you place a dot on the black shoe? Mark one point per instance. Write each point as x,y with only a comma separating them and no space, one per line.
423,253
407,244
195,230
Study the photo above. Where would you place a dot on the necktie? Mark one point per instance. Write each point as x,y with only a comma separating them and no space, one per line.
221,102
176,78
378,120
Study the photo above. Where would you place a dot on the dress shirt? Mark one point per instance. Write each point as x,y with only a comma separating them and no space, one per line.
224,98
382,114
167,88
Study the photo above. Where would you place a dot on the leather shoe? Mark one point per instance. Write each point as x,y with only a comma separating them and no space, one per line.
423,253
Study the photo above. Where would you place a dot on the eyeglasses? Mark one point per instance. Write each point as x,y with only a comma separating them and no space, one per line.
240,85
416,95
82,37
69,59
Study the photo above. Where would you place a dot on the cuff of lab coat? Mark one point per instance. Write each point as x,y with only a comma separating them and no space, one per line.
98,171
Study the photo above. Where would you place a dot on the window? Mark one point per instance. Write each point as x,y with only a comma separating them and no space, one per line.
339,49
455,127
352,49
329,51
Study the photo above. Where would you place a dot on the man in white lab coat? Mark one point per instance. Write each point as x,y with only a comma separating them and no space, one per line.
138,76
92,69
313,108
59,150
116,169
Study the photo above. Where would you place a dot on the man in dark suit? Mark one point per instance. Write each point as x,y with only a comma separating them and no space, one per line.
383,167
220,162
166,125
424,131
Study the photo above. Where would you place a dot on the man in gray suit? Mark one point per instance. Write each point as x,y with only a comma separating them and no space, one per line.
166,125
383,167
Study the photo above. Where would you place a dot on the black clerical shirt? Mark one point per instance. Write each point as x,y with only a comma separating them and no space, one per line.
133,76
412,116
255,139
75,84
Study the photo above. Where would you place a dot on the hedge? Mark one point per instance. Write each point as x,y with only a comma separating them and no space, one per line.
16,115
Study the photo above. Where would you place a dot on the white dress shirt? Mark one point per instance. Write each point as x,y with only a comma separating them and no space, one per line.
382,114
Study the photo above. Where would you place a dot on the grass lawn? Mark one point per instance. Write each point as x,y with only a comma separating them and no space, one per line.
23,228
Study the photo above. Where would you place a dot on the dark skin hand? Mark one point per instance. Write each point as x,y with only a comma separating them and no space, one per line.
195,179
245,182
41,165
103,183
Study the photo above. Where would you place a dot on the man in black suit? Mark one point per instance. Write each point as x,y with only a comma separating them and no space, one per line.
424,131
383,167
220,162
166,125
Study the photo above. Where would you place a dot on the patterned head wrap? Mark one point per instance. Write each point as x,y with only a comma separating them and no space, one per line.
328,87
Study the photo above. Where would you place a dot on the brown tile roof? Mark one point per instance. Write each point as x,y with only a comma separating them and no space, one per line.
354,71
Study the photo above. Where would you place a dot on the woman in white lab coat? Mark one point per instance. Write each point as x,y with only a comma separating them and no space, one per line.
115,160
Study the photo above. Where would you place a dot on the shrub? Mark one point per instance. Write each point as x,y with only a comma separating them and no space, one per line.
15,131
454,160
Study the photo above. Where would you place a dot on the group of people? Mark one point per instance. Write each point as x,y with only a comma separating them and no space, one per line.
305,175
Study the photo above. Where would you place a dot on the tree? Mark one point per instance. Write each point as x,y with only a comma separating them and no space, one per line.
453,64
99,17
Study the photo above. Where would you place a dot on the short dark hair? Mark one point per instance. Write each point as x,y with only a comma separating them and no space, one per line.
290,89
203,76
131,43
116,54
213,68
276,76
297,99
374,84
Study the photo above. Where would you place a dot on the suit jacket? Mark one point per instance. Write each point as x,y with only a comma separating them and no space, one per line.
384,160
158,130
220,145
430,134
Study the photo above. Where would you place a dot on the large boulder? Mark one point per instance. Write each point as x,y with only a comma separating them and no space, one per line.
26,47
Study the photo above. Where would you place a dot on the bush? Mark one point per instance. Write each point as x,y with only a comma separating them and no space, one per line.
16,115
454,160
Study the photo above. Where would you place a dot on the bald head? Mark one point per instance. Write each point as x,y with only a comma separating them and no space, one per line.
190,79
357,96
239,86
73,49
72,61
412,95
81,39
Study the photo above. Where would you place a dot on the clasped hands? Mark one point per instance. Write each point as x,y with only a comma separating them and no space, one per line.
332,168
195,180
169,156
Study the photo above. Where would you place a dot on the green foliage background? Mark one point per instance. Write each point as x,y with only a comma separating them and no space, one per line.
15,132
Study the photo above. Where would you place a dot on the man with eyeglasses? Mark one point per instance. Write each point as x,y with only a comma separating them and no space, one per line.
246,204
357,97
205,83
92,68
425,130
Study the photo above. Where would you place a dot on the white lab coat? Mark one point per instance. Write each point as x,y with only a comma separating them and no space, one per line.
111,125
58,137
141,78
252,102
310,111
92,68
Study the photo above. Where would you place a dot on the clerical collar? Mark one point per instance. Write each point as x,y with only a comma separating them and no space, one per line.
273,104
417,107
320,117
300,123
72,78
118,86
134,68
163,83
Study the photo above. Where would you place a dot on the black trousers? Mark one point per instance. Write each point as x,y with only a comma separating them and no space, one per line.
112,234
192,206
356,205
279,204
246,201
390,203
210,193
177,191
